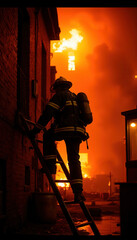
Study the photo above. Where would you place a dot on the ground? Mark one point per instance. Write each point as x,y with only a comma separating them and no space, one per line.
107,223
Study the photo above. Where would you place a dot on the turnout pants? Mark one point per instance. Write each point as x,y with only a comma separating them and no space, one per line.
72,145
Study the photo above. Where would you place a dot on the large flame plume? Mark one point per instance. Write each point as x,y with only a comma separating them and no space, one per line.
70,43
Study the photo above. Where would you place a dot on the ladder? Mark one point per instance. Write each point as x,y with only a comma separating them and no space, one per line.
63,204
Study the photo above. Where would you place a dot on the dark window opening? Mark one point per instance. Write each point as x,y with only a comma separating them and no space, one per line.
43,78
27,175
2,187
40,181
23,61
52,75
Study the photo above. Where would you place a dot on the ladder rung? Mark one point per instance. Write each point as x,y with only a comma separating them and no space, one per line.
70,202
38,140
59,162
62,181
83,224
69,219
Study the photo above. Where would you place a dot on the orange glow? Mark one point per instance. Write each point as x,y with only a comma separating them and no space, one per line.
109,184
105,69
84,159
84,164
85,175
70,43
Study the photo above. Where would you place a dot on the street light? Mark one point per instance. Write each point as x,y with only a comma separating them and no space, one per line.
131,144
128,190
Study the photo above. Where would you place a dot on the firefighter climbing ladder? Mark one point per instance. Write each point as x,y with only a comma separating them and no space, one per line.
63,205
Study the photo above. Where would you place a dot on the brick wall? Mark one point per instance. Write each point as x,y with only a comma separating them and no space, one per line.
14,146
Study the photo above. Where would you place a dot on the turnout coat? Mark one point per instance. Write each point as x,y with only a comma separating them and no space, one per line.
67,123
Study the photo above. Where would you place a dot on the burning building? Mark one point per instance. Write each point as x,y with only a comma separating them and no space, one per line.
70,45
26,77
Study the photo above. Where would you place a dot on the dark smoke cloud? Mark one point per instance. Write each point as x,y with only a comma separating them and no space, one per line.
106,72
113,69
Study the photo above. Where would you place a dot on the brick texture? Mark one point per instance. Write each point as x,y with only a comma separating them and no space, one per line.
14,146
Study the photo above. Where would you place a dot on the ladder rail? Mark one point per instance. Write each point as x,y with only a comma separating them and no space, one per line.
89,218
82,204
56,191
51,181
70,221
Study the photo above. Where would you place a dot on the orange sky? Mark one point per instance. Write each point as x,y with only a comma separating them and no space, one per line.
106,63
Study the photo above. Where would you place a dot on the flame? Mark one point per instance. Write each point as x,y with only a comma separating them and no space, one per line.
70,43
84,165
85,175
63,185
71,63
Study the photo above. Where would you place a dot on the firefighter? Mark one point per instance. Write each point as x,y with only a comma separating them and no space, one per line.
67,126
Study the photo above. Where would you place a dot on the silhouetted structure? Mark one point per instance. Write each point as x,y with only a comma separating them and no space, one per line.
131,144
128,190
25,81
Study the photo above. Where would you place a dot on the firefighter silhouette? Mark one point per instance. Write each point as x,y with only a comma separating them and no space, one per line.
68,126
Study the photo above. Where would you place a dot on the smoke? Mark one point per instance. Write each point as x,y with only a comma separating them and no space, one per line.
105,70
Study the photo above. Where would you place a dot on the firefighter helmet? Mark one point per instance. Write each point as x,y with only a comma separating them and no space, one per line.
62,82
